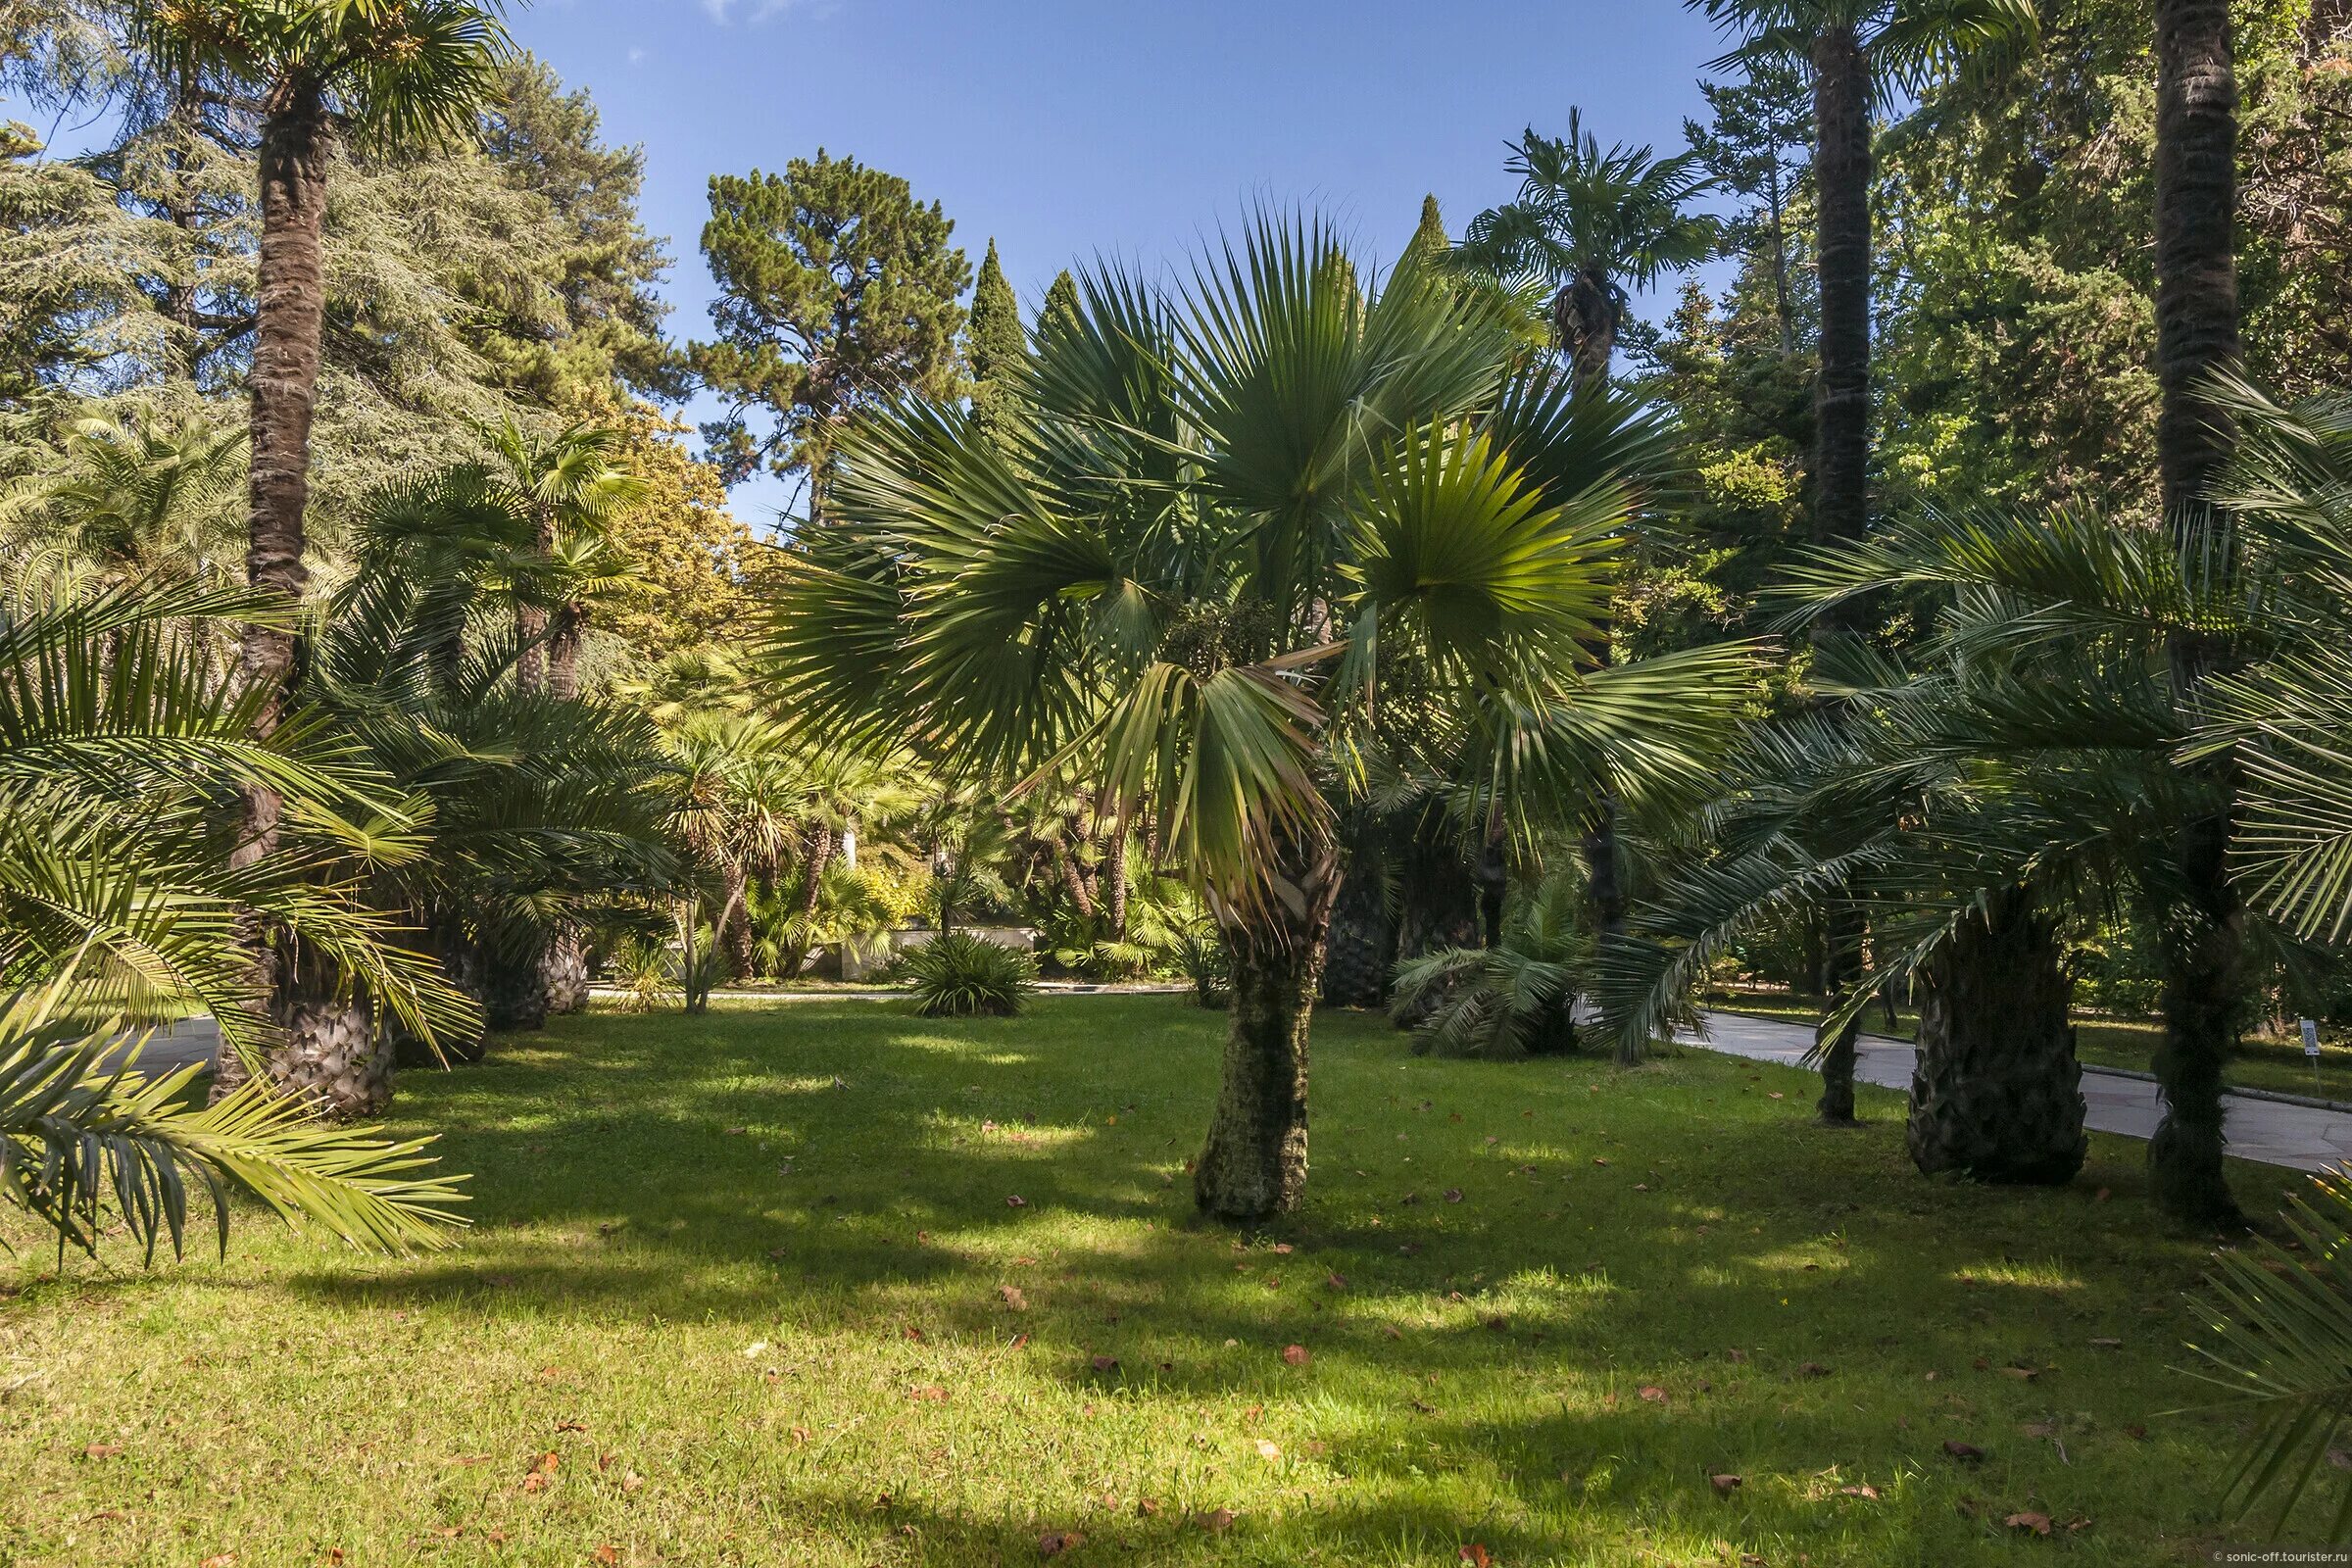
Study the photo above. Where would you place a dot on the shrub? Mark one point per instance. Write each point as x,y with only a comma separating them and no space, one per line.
961,976
1201,953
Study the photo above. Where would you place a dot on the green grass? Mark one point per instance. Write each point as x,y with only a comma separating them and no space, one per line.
757,1282
2106,1040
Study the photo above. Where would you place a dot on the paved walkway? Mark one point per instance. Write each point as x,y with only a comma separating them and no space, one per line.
2271,1131
2274,1132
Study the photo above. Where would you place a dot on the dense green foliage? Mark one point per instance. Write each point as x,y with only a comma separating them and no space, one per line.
958,975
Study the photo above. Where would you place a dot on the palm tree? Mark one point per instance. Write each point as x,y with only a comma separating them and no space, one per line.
116,745
79,1124
395,73
1858,52
1516,997
568,487
1232,513
131,495
2197,337
1593,226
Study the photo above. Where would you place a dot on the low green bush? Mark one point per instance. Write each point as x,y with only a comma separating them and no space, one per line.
959,976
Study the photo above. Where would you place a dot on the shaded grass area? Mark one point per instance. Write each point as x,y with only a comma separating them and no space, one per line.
753,1288
2103,1039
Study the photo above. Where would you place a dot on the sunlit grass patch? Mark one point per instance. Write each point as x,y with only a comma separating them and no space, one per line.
767,1264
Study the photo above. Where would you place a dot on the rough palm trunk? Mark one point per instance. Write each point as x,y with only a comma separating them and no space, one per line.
2196,334
563,652
820,859
329,1055
1840,487
1841,165
1585,317
564,968
334,1059
1360,949
290,308
1997,1094
508,979
734,932
1255,1164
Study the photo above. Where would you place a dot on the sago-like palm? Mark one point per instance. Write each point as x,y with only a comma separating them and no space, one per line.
1234,511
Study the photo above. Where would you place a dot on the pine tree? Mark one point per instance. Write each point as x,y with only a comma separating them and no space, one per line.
837,291
995,347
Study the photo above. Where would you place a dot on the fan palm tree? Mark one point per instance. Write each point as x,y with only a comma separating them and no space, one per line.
568,487
131,495
1516,997
1858,53
393,72
1594,225
1234,511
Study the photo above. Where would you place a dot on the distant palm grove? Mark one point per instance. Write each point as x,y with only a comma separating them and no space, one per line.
1889,555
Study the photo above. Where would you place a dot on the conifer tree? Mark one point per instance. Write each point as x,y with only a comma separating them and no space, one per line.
994,346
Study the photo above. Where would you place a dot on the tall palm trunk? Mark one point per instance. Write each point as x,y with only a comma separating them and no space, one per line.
290,310
1997,1094
2196,334
1255,1164
334,1056
1841,172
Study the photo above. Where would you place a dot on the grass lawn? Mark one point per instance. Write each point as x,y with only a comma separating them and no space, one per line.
2104,1039
827,1284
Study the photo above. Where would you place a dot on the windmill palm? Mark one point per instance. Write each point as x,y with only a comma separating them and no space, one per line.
568,487
1858,53
395,73
1593,226
1235,510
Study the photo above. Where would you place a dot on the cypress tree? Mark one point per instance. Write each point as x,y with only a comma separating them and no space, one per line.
994,346
1429,243
1062,304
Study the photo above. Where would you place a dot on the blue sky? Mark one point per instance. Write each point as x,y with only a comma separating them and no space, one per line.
1067,129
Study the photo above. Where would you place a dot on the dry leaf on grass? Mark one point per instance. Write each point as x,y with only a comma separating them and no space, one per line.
1296,1355
2037,1523
1727,1484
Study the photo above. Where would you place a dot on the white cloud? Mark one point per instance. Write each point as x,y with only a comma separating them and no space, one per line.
724,12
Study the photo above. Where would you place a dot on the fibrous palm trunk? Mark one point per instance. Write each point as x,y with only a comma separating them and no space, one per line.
1361,947
1841,492
563,652
290,308
1255,1164
1997,1094
2196,334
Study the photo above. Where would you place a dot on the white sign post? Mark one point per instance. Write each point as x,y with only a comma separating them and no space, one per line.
2311,1048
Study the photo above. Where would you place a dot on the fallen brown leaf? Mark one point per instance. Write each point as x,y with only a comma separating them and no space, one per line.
1653,1394
1296,1355
1725,1485
1870,1492
1053,1543
1012,1298
608,1554
1016,1201
1965,1452
101,1451
928,1394
2038,1523
1104,1364
1218,1521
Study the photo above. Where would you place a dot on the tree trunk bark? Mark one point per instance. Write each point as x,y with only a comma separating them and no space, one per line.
734,932
563,652
1360,947
820,857
1997,1094
1843,972
330,1054
2196,244
2196,334
564,968
1255,1164
1841,394
290,307
1585,317
1842,171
